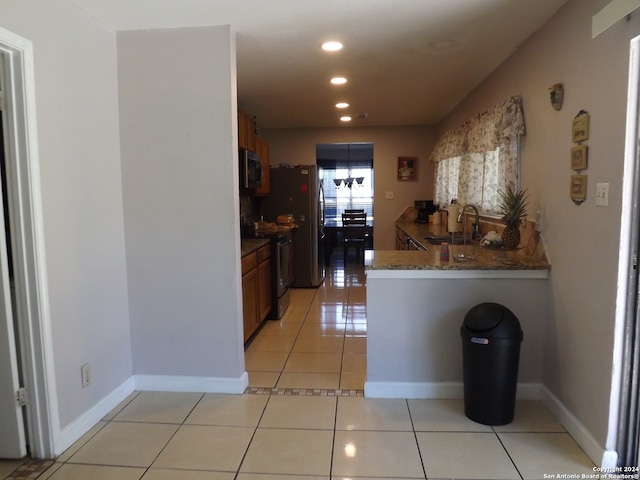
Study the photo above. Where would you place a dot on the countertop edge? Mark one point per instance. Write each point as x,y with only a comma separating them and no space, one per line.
456,274
249,245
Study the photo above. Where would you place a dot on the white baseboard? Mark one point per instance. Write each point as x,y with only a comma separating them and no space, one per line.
72,432
412,390
81,425
601,457
167,383
525,391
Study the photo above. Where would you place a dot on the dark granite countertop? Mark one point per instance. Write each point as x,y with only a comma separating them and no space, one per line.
249,245
530,256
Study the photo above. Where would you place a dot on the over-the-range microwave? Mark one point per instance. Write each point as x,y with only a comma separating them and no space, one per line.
250,169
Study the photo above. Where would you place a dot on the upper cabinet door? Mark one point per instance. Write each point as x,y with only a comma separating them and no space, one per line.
262,147
246,131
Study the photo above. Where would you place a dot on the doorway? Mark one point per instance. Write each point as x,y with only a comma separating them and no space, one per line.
12,419
33,361
624,427
348,185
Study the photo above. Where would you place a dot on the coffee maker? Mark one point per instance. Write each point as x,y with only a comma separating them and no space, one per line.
425,208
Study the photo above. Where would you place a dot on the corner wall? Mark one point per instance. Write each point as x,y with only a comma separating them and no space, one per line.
79,160
180,171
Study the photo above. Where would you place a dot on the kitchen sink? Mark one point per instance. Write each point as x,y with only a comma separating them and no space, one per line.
457,239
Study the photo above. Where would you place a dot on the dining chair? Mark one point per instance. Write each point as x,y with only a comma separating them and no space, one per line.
353,232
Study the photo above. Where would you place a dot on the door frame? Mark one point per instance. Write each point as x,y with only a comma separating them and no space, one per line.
27,237
622,441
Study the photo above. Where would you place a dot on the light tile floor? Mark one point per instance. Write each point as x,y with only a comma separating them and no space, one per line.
320,342
181,436
326,436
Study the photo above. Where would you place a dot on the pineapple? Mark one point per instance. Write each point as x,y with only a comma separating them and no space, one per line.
513,207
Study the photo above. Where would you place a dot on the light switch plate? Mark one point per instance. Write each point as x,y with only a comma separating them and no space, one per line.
602,195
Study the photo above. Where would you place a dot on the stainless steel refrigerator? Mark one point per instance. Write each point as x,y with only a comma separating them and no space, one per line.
299,191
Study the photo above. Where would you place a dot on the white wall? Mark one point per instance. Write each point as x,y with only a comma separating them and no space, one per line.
79,152
180,171
299,146
415,339
582,241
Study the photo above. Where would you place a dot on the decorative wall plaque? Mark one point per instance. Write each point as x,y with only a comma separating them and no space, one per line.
579,157
580,127
578,188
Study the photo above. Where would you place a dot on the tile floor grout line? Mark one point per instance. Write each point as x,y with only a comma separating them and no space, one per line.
304,319
507,452
255,430
415,436
333,439
344,335
107,421
146,469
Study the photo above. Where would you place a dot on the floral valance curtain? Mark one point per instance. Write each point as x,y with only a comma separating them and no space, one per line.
487,131
479,158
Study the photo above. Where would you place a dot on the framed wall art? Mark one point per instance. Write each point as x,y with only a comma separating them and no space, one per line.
580,127
578,188
579,157
407,168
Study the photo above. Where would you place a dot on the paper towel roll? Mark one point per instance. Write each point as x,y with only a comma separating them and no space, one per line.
452,213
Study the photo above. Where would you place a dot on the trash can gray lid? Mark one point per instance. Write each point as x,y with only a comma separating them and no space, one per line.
492,316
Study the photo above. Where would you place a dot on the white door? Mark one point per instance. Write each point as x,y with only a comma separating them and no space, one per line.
12,439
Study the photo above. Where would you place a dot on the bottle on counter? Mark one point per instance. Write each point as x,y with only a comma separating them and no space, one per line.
452,214
444,252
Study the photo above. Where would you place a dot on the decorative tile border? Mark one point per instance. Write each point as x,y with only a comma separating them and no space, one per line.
304,392
30,469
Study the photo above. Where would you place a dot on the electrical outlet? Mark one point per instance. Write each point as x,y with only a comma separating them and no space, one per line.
602,195
86,375
389,196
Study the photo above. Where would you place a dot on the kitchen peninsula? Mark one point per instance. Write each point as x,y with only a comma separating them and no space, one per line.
416,304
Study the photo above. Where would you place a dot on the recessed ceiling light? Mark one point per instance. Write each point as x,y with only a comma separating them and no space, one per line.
338,80
331,46
342,105
345,118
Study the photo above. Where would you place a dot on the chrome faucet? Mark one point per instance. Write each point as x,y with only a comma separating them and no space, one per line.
464,224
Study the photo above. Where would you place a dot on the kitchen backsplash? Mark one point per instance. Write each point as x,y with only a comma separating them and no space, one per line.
531,239
249,208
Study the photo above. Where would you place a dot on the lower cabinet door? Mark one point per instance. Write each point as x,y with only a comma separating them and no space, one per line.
250,302
264,290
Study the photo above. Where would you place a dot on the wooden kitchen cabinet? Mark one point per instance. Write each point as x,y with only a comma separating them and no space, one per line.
264,282
249,294
402,240
262,149
256,289
246,131
405,242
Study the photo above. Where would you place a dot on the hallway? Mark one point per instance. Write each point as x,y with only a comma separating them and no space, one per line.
320,342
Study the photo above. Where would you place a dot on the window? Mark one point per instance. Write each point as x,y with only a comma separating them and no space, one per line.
347,172
481,158
472,178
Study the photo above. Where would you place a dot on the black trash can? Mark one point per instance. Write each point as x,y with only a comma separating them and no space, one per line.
491,338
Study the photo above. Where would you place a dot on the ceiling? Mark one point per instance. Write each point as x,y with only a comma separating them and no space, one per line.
393,57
